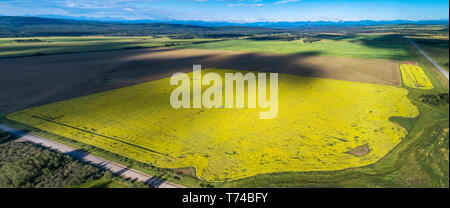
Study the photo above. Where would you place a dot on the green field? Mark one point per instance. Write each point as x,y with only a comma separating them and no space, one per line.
54,45
382,47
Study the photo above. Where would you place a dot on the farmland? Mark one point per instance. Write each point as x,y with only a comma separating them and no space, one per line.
414,76
13,47
99,71
369,46
308,136
381,47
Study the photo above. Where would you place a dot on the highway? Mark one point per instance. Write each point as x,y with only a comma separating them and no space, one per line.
115,168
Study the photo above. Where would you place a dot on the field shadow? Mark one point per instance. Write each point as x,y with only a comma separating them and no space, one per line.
269,63
438,43
394,46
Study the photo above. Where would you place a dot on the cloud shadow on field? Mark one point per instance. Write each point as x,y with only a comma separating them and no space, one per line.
130,70
59,77
295,64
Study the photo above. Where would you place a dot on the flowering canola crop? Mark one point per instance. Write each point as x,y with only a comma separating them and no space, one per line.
413,76
319,122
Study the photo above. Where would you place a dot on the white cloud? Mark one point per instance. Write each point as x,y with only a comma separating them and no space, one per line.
286,1
245,5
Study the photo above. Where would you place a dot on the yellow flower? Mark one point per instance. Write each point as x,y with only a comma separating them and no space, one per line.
319,122
413,76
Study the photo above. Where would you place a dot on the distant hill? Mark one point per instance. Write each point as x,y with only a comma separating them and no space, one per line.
35,26
298,25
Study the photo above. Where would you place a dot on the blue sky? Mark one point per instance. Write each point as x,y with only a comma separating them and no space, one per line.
232,10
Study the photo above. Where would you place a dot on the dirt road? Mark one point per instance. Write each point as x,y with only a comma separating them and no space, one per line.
115,168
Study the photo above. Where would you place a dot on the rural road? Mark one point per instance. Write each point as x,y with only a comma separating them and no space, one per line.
115,168
445,73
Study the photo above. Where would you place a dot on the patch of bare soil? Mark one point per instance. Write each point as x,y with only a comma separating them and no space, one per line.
360,150
187,171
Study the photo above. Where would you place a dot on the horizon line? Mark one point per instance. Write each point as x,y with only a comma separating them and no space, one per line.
112,19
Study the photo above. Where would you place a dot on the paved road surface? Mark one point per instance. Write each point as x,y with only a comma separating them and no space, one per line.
115,168
445,73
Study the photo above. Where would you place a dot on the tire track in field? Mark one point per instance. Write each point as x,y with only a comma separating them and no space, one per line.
104,136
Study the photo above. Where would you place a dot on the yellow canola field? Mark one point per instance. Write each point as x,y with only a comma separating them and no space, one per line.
319,122
414,77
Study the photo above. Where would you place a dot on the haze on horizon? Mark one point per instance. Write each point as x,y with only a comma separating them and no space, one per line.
231,10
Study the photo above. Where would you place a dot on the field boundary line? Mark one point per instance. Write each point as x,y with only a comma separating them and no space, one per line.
96,134
429,59
115,168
